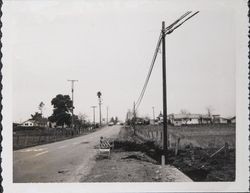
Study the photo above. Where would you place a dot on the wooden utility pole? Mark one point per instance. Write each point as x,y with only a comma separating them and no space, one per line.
99,94
72,91
164,84
107,115
134,117
153,114
93,107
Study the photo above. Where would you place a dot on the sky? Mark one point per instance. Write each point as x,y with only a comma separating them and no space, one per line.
108,47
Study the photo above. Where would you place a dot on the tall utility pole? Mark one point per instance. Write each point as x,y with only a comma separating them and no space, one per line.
72,90
153,114
99,94
164,32
93,107
134,117
164,85
107,115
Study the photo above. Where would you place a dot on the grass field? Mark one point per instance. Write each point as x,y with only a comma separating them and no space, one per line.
203,136
195,160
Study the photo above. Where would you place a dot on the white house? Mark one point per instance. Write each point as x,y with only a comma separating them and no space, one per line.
232,120
28,123
41,122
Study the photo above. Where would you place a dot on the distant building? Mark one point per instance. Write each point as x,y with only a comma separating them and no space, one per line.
231,120
28,123
41,122
192,119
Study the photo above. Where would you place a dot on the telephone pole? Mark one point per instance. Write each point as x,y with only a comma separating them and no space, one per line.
107,115
99,94
134,117
72,91
164,85
93,107
153,114
166,31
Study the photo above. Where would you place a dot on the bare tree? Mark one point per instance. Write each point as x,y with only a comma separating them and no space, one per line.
186,114
82,117
209,110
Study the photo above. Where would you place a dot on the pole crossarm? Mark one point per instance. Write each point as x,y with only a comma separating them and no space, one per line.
172,27
178,20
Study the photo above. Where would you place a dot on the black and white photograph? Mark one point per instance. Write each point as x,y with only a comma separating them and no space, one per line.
134,96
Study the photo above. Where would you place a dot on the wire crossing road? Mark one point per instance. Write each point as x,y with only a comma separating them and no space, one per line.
64,161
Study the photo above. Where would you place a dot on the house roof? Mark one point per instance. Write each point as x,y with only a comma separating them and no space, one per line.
39,121
29,120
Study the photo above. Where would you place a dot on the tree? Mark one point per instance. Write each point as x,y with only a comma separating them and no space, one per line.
209,110
116,120
186,114
41,106
112,119
99,94
36,117
61,113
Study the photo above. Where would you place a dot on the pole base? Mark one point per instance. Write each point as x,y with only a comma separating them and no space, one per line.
163,163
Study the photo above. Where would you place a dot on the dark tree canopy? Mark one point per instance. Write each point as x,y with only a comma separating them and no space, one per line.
62,106
99,94
36,116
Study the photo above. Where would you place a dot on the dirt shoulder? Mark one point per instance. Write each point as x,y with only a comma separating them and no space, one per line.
132,166
124,167
129,163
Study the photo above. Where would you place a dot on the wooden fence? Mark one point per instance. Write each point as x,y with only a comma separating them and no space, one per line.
23,139
178,140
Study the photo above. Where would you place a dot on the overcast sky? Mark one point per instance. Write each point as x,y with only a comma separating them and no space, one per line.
108,47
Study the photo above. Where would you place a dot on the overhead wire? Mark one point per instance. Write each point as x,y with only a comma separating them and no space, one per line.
176,21
171,30
168,30
149,72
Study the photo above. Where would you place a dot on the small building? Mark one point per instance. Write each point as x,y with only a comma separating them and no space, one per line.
231,120
40,122
223,120
28,123
206,119
216,118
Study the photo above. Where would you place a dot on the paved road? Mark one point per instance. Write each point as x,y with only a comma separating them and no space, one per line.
64,161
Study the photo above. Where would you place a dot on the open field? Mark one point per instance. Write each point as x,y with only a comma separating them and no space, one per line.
200,164
192,149
202,136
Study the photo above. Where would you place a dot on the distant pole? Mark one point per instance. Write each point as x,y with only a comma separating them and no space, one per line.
93,107
134,117
99,94
153,114
107,115
164,84
72,91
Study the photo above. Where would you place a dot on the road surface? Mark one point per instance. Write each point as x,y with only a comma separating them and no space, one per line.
64,161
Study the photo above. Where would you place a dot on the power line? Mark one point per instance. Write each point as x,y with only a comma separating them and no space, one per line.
72,91
149,73
176,21
167,30
171,30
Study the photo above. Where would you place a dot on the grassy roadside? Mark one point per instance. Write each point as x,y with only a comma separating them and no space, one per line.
130,161
134,160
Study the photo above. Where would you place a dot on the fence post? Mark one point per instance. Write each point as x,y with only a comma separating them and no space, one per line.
226,150
177,146
25,140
